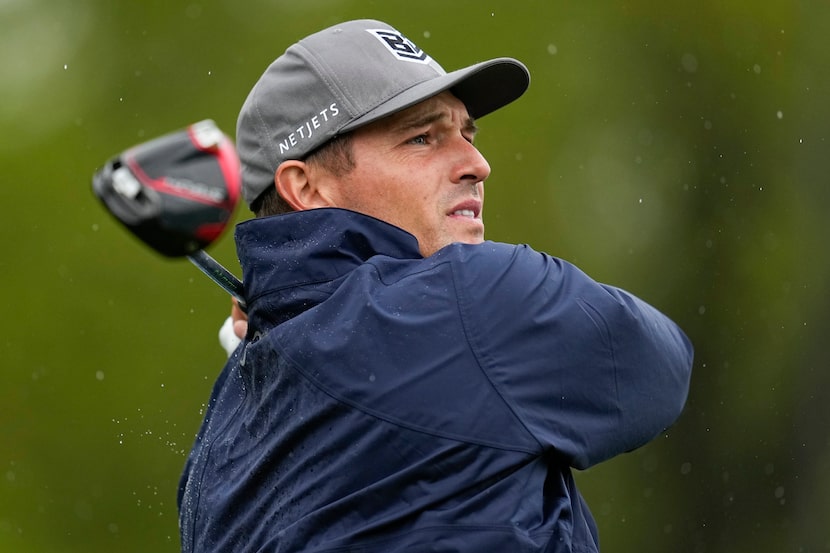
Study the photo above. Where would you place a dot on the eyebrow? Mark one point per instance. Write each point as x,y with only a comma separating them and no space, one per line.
425,119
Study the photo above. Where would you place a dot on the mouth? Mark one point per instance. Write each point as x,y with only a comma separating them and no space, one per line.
469,213
470,209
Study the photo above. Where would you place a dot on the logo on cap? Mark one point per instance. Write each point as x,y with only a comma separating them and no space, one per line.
403,48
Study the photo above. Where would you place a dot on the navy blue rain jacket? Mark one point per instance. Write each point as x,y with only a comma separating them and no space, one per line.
384,402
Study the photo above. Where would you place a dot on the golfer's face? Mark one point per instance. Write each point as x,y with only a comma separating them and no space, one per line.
419,170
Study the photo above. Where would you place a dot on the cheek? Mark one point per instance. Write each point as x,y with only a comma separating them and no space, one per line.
409,209
355,192
378,201
392,196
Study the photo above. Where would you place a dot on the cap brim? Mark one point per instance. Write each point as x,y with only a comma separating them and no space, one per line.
483,87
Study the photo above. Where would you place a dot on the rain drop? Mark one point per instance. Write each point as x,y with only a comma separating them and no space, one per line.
689,63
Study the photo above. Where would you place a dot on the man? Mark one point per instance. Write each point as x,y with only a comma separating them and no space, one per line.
404,385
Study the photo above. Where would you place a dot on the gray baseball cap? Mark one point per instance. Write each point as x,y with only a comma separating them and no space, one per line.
347,76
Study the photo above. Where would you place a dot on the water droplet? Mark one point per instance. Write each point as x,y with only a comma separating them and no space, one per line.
689,63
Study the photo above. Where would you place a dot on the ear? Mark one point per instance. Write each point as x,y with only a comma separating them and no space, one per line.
299,188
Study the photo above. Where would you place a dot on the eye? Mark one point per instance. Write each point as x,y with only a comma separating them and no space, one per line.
421,139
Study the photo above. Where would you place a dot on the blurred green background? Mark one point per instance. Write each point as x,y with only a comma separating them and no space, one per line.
677,149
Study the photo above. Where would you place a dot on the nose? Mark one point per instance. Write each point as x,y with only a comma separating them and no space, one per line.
471,167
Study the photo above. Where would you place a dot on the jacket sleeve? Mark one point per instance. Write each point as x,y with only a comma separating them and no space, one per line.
589,369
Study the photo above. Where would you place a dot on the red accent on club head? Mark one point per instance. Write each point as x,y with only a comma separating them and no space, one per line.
228,160
209,232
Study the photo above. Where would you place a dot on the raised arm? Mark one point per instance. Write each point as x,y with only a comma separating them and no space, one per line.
591,370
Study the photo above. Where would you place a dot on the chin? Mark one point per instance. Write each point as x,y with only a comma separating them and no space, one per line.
475,240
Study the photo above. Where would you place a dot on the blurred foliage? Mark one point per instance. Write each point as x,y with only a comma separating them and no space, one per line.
676,149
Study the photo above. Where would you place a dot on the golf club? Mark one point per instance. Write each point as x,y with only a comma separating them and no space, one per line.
177,194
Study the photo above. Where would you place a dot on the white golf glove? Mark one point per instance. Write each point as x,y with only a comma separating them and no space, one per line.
227,339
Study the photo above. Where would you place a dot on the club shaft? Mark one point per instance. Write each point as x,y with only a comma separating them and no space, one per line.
219,274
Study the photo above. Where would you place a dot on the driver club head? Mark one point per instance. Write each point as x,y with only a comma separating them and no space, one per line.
176,192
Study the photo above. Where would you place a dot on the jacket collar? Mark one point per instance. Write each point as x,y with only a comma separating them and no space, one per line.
313,246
